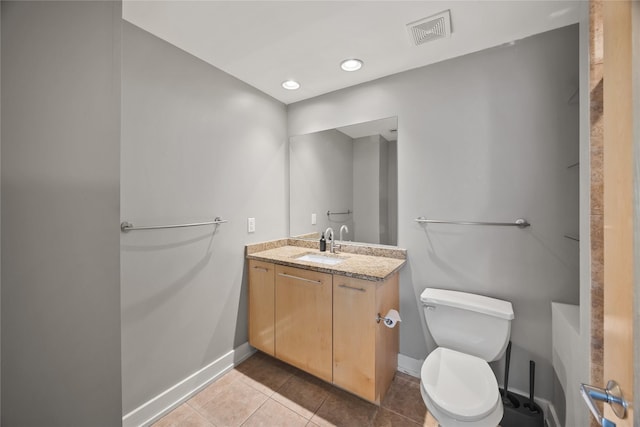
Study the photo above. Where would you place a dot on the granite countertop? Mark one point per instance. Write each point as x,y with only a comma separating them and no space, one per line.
367,267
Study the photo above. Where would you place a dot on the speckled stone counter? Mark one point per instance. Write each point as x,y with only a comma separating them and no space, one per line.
361,262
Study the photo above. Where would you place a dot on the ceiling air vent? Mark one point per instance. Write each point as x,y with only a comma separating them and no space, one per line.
428,29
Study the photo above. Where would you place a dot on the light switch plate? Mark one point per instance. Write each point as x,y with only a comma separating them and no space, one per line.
313,219
251,225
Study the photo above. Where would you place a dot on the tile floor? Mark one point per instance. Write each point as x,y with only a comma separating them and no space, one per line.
263,391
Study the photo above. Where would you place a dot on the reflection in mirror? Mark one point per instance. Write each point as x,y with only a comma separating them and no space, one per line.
346,176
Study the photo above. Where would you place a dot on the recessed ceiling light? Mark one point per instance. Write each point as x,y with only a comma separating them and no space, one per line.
351,64
291,85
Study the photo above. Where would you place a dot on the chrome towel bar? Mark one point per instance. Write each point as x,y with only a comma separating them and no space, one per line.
339,213
520,222
127,226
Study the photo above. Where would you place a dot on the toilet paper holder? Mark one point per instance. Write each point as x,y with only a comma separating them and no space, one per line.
391,318
379,318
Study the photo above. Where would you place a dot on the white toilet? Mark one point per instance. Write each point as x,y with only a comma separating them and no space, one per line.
456,382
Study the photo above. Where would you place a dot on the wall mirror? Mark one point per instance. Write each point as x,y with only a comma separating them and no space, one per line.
346,176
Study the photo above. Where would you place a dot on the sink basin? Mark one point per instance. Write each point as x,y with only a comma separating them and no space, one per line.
320,259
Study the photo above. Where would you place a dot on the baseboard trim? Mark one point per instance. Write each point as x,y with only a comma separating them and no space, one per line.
552,417
409,365
154,409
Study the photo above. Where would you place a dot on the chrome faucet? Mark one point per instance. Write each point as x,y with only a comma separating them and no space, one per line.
329,235
345,229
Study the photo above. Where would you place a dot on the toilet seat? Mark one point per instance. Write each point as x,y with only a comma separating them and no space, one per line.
460,385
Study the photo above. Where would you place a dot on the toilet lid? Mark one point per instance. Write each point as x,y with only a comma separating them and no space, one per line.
461,385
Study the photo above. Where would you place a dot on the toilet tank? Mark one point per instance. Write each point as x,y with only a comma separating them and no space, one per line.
470,323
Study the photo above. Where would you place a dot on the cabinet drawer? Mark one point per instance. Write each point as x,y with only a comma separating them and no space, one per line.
262,306
303,320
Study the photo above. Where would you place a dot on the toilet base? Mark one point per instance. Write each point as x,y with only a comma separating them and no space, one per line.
491,420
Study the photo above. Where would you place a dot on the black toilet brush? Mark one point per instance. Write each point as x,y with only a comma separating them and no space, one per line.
527,414
507,400
531,405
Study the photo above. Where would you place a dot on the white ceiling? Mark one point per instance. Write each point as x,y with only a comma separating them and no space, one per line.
264,43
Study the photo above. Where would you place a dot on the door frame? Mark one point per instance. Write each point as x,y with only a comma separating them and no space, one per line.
635,25
621,127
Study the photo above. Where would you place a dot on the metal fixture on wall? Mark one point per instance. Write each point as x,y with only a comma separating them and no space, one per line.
329,213
520,222
127,226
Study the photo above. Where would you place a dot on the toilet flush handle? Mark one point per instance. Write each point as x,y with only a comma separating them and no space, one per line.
430,307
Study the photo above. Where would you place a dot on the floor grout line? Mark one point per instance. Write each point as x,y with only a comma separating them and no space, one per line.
201,414
256,410
404,416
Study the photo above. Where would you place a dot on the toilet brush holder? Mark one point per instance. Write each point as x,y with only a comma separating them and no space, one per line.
520,414
521,411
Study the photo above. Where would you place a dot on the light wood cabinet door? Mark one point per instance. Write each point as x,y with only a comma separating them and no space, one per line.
387,339
365,352
304,319
354,336
262,306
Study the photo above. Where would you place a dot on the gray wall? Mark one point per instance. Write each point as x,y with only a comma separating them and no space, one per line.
383,195
392,187
196,143
321,180
487,136
60,214
367,178
366,189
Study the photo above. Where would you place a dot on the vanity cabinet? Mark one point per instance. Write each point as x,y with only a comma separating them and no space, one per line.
324,322
365,351
303,313
262,306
